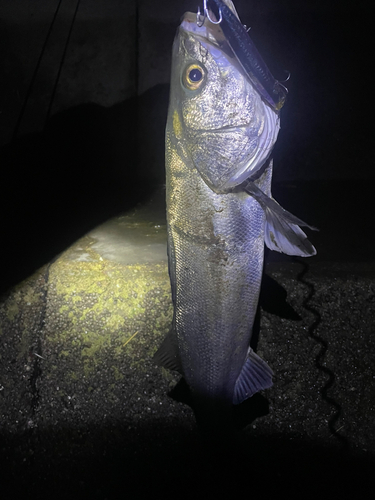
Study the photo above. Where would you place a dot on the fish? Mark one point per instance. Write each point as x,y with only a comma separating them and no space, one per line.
219,138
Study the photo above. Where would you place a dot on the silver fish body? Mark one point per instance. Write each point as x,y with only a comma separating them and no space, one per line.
216,247
219,134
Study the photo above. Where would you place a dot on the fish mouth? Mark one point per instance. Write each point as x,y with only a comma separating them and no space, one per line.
209,33
208,30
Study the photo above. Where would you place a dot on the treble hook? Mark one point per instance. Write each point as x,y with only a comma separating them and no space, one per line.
207,15
279,83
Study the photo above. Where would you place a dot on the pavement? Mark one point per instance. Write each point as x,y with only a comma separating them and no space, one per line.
85,294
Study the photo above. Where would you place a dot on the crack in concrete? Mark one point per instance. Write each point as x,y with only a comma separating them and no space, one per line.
36,349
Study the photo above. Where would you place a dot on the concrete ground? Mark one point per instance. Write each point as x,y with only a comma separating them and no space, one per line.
85,299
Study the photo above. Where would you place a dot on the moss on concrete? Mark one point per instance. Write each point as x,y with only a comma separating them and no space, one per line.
102,311
89,333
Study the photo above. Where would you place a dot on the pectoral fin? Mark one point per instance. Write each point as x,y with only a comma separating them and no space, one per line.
168,354
282,232
255,376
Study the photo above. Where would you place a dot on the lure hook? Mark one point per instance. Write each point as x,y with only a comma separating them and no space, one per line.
279,87
279,84
207,15
287,78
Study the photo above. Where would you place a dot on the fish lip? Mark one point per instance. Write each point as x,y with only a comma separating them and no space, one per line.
208,33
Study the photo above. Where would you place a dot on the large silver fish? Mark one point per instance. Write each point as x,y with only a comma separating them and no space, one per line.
219,136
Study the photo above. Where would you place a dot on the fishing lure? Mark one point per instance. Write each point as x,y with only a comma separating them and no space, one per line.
272,90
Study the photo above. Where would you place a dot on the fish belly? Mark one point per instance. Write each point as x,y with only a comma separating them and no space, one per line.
216,247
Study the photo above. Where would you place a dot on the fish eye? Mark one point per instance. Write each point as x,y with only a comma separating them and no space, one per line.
193,76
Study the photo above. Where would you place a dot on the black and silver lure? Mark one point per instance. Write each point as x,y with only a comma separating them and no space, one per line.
272,90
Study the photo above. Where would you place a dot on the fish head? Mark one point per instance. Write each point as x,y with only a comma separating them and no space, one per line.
215,111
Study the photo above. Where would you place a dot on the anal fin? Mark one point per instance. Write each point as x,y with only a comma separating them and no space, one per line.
168,354
255,376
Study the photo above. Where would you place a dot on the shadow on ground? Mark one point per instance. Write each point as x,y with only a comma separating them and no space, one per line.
159,458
